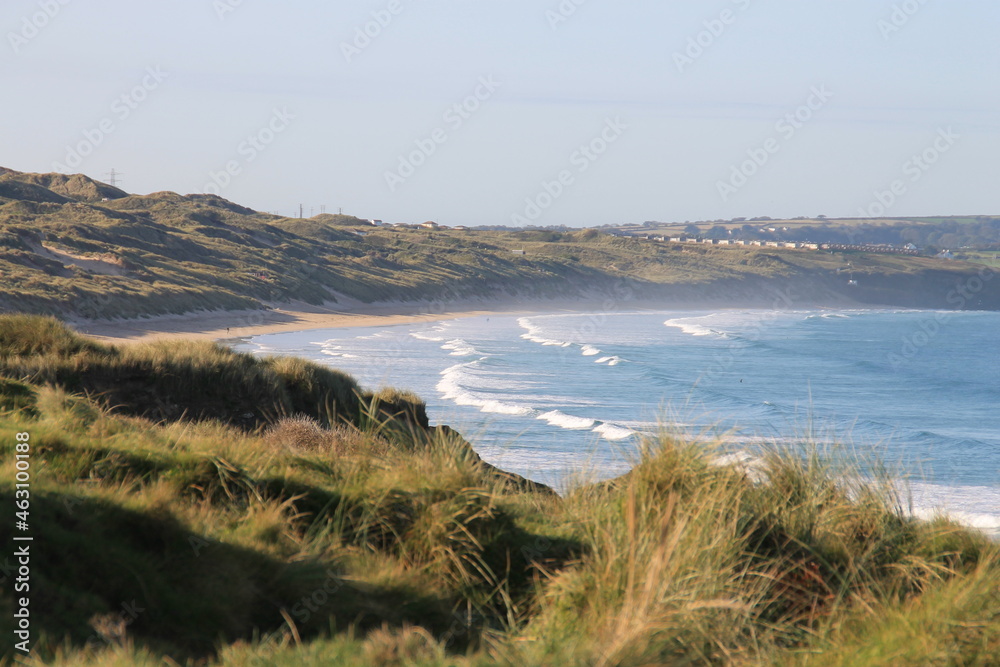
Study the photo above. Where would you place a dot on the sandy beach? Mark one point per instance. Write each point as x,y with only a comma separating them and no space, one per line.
295,317
285,317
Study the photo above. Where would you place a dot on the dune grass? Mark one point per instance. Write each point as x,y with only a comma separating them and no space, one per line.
166,253
176,379
371,538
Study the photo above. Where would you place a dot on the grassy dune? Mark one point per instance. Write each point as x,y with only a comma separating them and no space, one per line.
338,527
74,247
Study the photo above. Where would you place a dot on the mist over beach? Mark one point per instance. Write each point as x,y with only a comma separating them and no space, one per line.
501,333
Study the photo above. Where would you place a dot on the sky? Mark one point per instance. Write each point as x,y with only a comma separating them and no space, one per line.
516,112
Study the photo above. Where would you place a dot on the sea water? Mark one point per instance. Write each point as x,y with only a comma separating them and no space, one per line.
552,396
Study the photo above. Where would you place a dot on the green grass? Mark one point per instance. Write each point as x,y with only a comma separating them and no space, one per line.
990,258
171,380
375,539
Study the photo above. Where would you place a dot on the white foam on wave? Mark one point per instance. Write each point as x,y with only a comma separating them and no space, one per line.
558,469
973,506
452,389
689,326
589,351
333,352
563,420
828,316
691,329
423,336
752,466
434,334
501,408
610,361
460,348
535,334
610,431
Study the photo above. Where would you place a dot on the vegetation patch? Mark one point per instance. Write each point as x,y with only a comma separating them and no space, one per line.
366,536
74,247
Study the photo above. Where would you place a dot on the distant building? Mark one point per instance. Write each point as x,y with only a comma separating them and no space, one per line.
518,252
375,223
430,225
460,228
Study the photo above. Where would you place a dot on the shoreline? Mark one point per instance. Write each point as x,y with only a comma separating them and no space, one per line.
294,317
287,318
220,325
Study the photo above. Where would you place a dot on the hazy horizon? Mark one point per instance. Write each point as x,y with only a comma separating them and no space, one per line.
482,113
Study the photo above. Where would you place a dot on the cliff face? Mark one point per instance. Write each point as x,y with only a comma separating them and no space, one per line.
934,289
958,289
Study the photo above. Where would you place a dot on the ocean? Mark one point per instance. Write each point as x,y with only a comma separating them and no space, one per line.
560,396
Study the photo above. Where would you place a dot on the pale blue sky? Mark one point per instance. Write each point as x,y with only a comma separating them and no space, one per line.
686,126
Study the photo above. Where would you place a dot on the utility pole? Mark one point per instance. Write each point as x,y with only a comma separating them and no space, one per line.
300,210
113,178
322,209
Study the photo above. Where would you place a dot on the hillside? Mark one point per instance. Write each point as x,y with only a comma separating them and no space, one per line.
78,248
932,235
337,527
